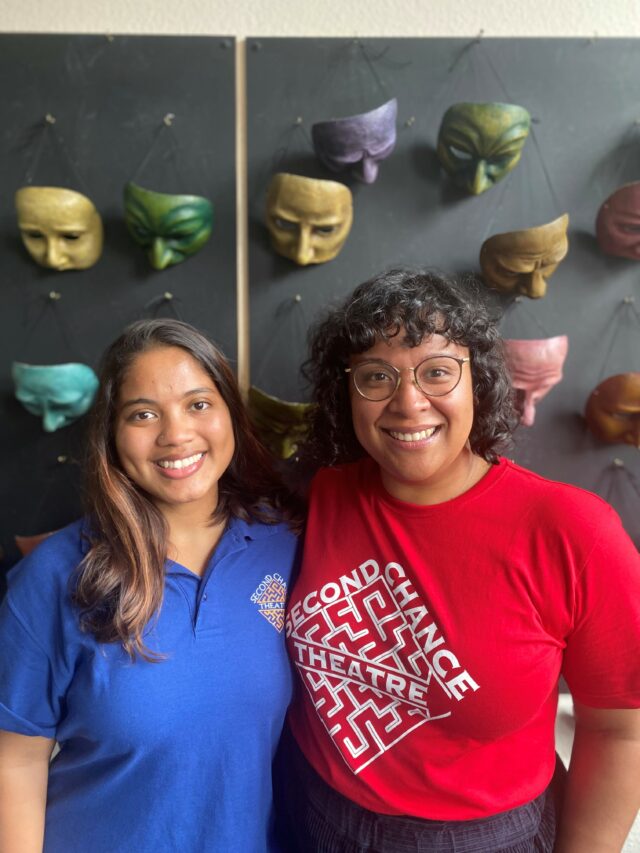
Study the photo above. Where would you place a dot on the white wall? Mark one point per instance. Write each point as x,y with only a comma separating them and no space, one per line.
326,17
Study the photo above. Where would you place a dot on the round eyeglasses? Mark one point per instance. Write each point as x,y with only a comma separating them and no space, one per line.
435,376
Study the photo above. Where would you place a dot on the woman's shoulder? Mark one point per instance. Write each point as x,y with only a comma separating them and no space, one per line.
558,504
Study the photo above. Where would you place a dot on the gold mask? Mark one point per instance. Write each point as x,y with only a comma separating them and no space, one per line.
61,229
522,261
308,219
282,426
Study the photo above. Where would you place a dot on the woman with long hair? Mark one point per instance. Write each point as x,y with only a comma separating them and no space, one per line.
147,638
443,592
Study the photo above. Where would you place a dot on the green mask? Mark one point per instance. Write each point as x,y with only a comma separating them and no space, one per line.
171,227
59,393
478,144
281,426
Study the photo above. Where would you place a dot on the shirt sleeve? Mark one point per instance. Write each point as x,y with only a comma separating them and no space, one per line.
37,644
602,655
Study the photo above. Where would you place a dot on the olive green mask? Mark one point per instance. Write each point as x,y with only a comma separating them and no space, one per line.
171,227
282,426
478,144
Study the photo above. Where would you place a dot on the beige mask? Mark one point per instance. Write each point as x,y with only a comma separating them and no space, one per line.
522,261
61,229
613,409
308,219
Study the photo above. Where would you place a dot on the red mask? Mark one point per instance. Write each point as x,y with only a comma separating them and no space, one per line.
618,223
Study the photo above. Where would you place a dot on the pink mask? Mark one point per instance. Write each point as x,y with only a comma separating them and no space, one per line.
618,223
535,367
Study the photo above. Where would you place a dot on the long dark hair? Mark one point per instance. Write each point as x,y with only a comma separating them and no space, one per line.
120,582
415,303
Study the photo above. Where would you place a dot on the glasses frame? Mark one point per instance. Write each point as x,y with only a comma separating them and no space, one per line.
398,373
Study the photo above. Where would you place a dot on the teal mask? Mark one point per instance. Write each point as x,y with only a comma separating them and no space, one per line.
59,393
478,144
170,227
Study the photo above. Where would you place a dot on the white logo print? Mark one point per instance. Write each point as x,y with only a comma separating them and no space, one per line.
375,663
270,596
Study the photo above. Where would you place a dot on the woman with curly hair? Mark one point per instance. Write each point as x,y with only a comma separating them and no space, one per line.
443,592
147,639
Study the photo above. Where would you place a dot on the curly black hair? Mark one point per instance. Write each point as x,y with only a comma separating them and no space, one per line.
415,303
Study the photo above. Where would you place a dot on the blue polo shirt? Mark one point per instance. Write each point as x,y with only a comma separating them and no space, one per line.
170,756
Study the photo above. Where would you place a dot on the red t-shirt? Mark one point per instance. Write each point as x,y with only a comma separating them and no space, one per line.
430,639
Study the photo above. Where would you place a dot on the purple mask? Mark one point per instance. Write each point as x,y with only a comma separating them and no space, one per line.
358,143
535,367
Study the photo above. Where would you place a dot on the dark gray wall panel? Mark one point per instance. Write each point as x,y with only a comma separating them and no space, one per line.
583,96
109,97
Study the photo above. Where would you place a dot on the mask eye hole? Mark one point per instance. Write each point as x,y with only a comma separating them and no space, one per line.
72,237
34,235
459,154
324,229
285,224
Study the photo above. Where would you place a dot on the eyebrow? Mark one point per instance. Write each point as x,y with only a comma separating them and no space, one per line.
147,401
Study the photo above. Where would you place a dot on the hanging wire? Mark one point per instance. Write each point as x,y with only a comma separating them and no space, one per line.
519,301
47,133
625,307
50,307
163,133
165,300
289,311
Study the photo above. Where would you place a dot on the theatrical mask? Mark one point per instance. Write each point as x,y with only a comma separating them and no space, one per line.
282,426
618,223
478,144
357,143
26,544
535,367
58,393
308,219
170,227
613,409
60,228
522,261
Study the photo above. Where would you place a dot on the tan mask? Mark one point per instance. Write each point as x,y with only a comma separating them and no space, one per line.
522,261
308,219
535,367
613,410
61,229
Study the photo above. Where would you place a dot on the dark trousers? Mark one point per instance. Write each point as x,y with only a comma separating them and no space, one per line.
313,818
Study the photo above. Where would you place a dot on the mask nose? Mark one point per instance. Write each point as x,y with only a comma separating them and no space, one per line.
52,420
533,284
634,434
54,256
159,254
368,170
480,181
304,250
528,415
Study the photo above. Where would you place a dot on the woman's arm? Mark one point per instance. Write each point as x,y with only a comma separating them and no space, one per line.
602,795
24,768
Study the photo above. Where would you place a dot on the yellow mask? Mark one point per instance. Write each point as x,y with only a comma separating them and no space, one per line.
522,261
61,229
308,219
